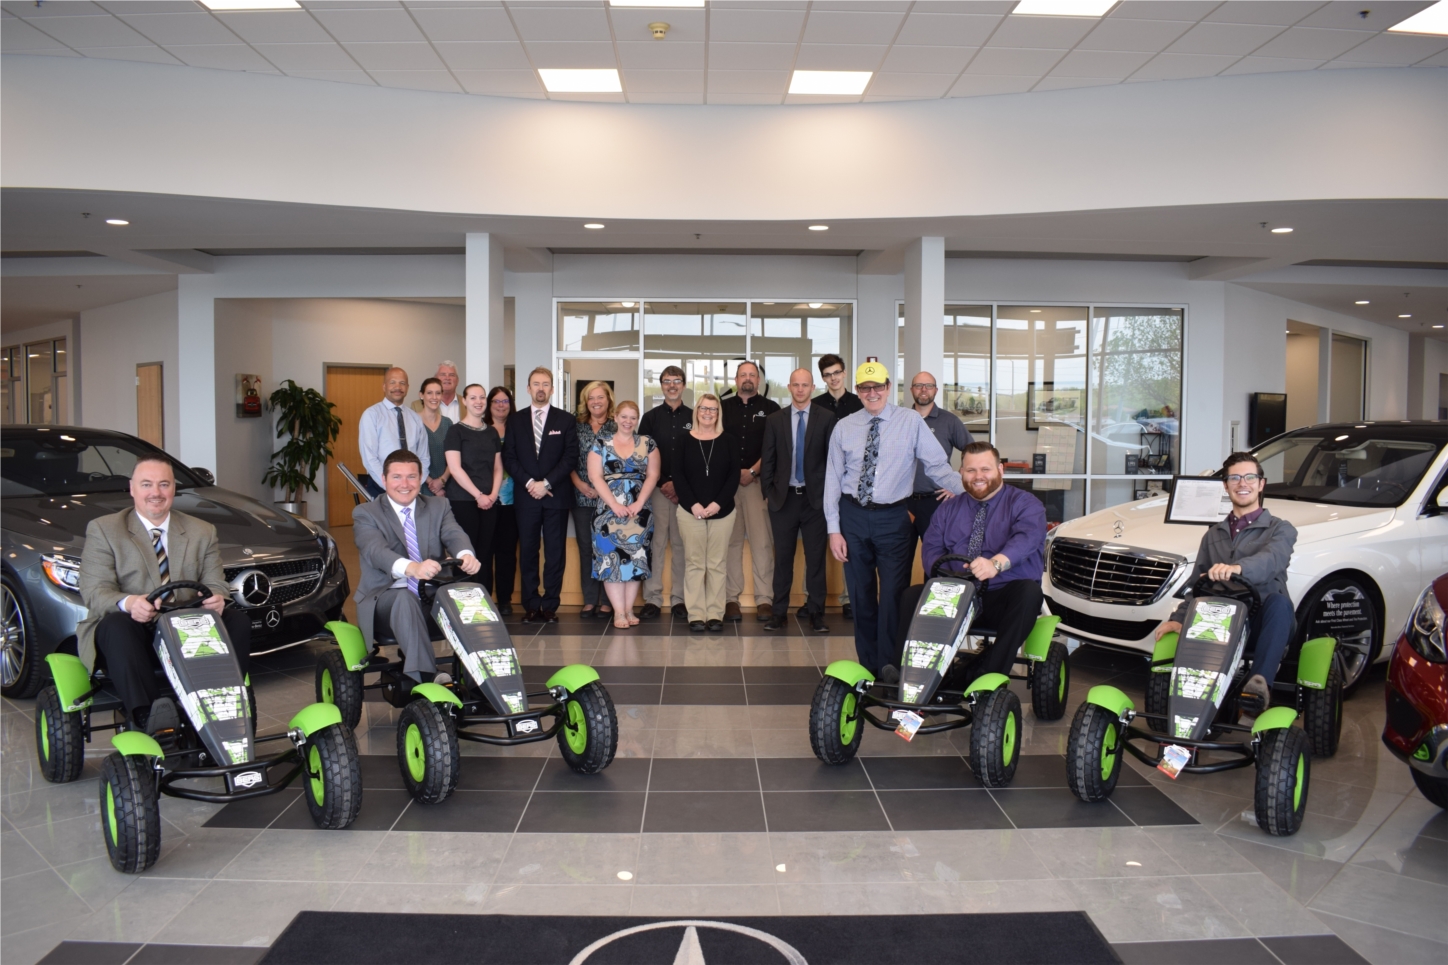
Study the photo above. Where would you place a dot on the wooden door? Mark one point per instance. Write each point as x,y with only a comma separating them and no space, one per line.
150,404
352,388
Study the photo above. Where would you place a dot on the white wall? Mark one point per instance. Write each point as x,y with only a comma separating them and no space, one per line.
1427,371
113,341
243,445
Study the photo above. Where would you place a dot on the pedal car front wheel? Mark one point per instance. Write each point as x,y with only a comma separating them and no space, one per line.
333,777
995,737
1158,698
835,727
130,812
1050,683
338,685
589,735
58,738
1093,753
1284,765
427,751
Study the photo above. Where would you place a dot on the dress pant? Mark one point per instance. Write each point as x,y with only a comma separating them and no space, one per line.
753,524
546,526
1010,610
583,532
130,654
881,545
477,523
500,567
399,617
666,534
922,508
799,520
706,548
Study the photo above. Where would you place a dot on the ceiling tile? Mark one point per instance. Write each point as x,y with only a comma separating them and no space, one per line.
1042,32
295,57
484,56
436,80
1437,60
1179,66
748,82
654,55
1055,82
30,11
854,27
1013,61
65,51
465,23
1114,64
911,85
402,56
101,31
821,98
1270,65
1396,49
550,22
659,97
132,7
633,25
1149,36
1346,65
348,4
353,76
180,28
1311,43
744,99
964,30
275,27
839,57
145,55
661,81
572,54
1281,13
1346,14
1224,38
234,56
1191,10
877,6
767,26
598,98
977,85
17,35
499,81
997,7
370,26
751,56
930,60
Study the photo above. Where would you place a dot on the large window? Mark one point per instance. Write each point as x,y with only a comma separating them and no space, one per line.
702,338
785,336
35,389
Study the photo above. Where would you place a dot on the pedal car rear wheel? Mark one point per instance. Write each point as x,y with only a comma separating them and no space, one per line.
1050,683
427,751
1322,712
835,724
1435,789
589,735
130,812
1093,753
995,737
338,685
1158,698
332,777
58,739
1284,765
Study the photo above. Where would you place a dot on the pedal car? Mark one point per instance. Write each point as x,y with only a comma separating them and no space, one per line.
214,737
939,628
486,691
1192,706
1417,726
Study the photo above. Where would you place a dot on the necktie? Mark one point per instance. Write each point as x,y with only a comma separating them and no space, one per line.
163,564
409,533
977,532
799,447
538,415
401,428
866,490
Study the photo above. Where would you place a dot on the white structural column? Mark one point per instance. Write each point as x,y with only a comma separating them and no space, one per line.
196,372
483,314
922,341
533,324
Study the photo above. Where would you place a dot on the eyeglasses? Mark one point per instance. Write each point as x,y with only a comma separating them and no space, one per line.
870,389
1250,477
835,374
706,408
922,385
672,382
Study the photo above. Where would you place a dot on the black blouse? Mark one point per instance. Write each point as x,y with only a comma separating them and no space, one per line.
706,471
478,448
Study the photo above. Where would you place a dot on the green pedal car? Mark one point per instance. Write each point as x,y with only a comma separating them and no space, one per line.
1192,709
486,691
213,737
939,628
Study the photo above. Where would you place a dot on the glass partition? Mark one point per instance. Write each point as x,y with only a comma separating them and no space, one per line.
1040,388
12,403
702,338
1063,498
598,327
1136,391
785,336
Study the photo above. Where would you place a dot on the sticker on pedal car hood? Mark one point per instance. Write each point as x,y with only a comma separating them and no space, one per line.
942,600
1212,622
1196,684
514,702
926,656
472,605
481,664
198,635
237,750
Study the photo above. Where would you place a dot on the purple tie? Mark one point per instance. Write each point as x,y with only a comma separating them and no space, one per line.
409,533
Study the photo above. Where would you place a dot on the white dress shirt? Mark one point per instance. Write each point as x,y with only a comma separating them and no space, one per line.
165,527
377,436
399,566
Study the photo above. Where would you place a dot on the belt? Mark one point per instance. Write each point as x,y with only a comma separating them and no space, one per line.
871,507
798,490
923,494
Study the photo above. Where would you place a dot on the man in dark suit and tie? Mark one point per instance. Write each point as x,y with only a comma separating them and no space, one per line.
792,471
540,450
400,539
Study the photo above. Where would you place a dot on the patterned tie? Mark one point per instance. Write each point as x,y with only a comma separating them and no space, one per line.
977,532
538,415
162,564
401,428
799,447
866,490
409,533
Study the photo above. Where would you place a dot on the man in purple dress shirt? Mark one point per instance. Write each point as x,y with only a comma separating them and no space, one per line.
1002,530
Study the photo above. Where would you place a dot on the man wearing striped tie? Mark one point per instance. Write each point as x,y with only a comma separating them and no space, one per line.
126,556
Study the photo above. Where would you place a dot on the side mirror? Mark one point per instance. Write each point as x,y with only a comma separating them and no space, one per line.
207,476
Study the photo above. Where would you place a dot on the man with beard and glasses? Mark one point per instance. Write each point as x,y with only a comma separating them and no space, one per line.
1002,531
952,433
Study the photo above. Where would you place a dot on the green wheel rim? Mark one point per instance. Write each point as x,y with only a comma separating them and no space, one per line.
575,731
314,772
1108,752
849,722
45,735
1297,784
1008,745
329,693
1061,685
412,748
111,812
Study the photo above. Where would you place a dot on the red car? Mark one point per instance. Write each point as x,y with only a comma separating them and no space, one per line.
1417,727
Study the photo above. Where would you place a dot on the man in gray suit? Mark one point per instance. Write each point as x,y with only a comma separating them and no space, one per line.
400,539
126,556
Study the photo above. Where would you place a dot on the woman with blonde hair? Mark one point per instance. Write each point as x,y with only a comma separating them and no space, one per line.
623,468
595,418
705,464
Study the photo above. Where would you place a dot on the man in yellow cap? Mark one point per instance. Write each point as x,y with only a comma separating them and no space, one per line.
870,476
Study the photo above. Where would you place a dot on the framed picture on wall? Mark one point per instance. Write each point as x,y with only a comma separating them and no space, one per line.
248,395
1046,404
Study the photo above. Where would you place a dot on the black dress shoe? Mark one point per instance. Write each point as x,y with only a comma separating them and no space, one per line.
817,623
533,616
716,626
649,612
588,613
888,675
696,626
774,623
846,612
549,616
803,611
680,611
506,609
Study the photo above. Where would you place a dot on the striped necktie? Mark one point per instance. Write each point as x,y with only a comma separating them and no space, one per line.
162,563
538,415
409,533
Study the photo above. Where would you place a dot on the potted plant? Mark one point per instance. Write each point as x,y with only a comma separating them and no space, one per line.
304,418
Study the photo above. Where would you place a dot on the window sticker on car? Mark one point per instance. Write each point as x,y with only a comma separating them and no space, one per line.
198,635
942,600
473,605
1212,621
926,656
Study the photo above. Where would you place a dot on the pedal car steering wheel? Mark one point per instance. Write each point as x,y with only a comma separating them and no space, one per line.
204,592
953,558
1234,588
451,572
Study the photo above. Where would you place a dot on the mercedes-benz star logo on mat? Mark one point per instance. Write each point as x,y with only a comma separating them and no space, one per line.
251,588
690,951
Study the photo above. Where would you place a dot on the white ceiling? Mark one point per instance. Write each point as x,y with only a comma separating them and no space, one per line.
732,51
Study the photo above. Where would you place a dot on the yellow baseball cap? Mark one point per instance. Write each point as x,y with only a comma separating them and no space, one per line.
872,372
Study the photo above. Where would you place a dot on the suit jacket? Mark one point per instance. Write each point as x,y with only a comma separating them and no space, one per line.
776,463
557,458
380,544
119,560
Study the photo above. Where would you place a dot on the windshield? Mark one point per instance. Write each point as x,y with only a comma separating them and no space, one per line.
1344,469
75,463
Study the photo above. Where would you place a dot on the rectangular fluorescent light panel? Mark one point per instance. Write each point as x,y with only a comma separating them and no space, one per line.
1434,20
1064,8
656,3
251,4
843,82
575,81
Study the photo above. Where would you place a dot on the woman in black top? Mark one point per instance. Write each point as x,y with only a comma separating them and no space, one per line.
500,572
705,466
475,472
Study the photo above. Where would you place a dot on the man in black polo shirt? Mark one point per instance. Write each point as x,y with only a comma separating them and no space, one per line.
841,402
744,414
665,423
953,435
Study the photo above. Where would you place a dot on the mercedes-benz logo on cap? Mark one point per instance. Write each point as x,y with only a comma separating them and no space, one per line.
251,588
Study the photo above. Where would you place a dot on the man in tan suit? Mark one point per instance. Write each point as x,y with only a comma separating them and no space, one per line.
129,554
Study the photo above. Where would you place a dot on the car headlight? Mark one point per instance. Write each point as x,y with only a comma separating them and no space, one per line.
328,546
64,571
1425,628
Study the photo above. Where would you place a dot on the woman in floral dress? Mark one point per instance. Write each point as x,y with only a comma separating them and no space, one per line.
623,467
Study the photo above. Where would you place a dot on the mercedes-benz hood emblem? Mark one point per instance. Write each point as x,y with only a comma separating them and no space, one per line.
251,588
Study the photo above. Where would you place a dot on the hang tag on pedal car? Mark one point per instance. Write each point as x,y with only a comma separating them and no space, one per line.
909,723
1173,758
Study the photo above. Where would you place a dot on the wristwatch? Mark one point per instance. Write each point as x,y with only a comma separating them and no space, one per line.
999,566
754,473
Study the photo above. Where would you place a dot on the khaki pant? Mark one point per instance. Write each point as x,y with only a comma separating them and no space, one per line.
753,511
666,534
706,547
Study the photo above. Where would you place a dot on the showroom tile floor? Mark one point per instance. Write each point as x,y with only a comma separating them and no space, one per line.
716,806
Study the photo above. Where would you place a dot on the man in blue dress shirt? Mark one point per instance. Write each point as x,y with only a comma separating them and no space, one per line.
869,478
388,426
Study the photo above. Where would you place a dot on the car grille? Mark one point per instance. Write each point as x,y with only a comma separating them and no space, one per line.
1103,574
1101,626
291,579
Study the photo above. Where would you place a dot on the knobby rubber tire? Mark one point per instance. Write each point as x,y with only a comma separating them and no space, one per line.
1158,699
59,743
1284,758
826,722
346,686
33,672
433,752
1051,683
336,764
1322,713
1093,753
601,723
995,737
1435,789
130,812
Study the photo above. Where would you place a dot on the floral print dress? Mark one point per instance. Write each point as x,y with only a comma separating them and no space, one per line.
621,543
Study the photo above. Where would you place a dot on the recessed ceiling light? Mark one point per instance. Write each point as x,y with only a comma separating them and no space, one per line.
1362,302
1405,316
251,4
845,83
585,81
781,868
1063,8
1282,231
627,304
655,3
1035,311
816,304
625,876
1434,20
117,221
819,227
766,303
593,226
1437,326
